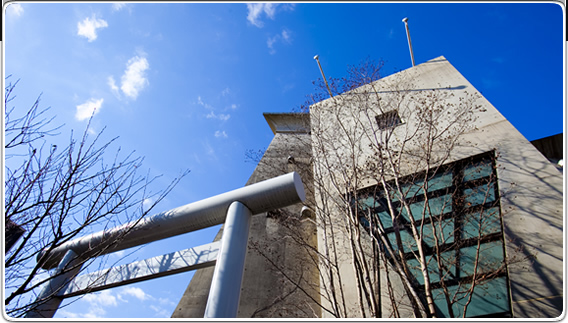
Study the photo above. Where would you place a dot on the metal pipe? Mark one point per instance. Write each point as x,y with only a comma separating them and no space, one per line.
323,75
260,197
225,291
72,263
405,20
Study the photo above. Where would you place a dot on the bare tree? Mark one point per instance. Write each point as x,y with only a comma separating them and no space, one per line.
400,198
55,194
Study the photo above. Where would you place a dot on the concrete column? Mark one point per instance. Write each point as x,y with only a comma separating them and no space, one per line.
225,289
46,309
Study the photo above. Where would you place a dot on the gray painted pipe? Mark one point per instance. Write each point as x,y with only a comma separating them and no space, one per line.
260,197
225,291
50,303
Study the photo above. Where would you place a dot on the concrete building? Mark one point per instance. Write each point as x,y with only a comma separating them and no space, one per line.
422,200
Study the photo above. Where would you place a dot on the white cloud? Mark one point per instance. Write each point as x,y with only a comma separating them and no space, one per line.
88,27
147,203
284,36
88,109
134,78
112,85
118,254
117,6
136,292
220,116
233,106
98,301
203,104
103,298
166,301
256,10
221,134
15,9
212,114
209,150
270,43
160,312
95,311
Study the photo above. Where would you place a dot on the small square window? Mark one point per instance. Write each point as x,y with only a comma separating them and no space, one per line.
388,120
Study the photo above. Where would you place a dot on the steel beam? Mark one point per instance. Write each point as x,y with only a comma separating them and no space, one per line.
165,265
260,197
225,291
48,301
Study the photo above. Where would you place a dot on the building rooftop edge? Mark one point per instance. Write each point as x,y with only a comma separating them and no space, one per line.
290,122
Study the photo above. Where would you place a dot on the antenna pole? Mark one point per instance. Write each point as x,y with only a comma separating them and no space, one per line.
323,75
405,20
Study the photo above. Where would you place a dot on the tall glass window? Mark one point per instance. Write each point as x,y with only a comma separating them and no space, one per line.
456,207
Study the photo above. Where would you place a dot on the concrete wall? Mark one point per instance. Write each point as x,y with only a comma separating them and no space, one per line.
530,186
279,272
284,279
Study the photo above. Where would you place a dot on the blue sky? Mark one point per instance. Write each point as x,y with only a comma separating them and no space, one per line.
185,84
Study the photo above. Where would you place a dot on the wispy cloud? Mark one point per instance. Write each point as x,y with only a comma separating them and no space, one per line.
212,114
88,109
203,104
209,150
221,134
88,27
117,6
134,78
220,116
285,36
99,302
104,298
160,312
257,10
270,43
118,254
15,9
136,292
112,84
96,302
147,203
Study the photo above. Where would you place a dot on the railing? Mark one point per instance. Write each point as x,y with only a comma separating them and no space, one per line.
233,208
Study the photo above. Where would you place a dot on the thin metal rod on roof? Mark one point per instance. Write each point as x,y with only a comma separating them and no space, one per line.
323,75
405,20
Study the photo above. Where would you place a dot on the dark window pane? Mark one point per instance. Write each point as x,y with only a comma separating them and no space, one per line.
479,195
477,170
490,258
480,223
437,206
489,297
444,232
388,120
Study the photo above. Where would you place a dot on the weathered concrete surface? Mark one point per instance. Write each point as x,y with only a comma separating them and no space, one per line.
530,186
194,299
278,272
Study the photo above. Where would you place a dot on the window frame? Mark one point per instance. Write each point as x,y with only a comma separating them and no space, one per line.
459,211
388,120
